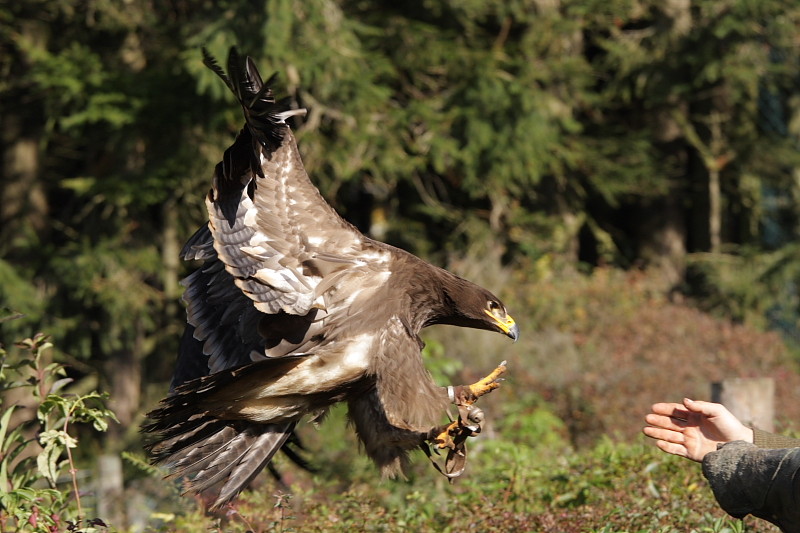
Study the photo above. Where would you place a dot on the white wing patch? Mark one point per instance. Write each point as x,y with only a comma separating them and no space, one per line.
251,215
345,363
379,257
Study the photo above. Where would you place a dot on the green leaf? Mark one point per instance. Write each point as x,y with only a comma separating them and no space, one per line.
54,443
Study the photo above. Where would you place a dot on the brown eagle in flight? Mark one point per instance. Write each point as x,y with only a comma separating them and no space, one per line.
293,310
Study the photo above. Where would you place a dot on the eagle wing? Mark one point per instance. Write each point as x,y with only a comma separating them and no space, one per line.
279,239
405,388
221,333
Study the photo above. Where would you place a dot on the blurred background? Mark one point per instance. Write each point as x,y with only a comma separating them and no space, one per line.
623,173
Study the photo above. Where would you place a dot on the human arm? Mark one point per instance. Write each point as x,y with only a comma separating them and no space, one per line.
758,481
750,471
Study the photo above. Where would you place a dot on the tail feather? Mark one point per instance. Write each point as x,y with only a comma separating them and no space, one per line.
174,436
221,460
260,454
241,458
218,457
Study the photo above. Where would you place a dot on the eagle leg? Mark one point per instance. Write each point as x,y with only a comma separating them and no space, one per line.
469,394
452,436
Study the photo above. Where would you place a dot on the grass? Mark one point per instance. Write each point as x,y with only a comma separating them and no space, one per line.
529,478
561,450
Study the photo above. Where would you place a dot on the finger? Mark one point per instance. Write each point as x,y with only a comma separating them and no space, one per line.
665,435
666,422
674,449
670,409
707,409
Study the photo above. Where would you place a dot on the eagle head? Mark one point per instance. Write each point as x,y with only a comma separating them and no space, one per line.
499,319
469,305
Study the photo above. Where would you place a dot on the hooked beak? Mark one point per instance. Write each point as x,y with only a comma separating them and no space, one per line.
506,325
513,332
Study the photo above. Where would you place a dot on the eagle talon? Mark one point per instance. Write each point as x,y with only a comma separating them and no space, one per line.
445,437
470,418
487,384
453,436
466,395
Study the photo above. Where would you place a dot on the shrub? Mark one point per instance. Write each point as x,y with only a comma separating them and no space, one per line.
30,499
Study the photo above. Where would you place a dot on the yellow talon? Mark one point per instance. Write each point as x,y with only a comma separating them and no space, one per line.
486,385
445,439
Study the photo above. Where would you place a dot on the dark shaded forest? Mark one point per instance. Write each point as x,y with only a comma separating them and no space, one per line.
611,167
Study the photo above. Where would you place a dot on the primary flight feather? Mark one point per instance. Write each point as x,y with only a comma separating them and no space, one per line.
294,310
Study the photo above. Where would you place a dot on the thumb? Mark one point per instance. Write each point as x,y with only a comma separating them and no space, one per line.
704,408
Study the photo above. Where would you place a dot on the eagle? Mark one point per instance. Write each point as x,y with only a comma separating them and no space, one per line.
293,310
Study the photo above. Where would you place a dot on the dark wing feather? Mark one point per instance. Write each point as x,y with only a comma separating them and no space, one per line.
221,333
222,324
200,246
211,63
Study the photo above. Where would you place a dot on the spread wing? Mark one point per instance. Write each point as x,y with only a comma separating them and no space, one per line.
276,235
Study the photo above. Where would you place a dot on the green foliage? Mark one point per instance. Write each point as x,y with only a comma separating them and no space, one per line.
750,286
547,130
44,440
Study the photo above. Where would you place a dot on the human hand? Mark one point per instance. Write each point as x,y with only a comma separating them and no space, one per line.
694,428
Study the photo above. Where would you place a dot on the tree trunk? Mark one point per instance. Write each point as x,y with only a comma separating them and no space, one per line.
23,202
751,400
124,371
170,251
662,236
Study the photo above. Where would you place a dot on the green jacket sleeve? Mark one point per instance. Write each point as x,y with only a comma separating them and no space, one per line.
763,482
763,439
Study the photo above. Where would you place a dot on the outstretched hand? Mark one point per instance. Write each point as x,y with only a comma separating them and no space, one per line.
694,428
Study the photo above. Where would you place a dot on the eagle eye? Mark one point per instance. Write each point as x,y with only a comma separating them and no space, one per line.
493,306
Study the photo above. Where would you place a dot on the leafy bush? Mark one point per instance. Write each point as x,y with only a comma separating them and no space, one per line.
30,499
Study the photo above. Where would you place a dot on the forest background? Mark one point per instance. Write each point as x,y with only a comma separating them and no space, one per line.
624,173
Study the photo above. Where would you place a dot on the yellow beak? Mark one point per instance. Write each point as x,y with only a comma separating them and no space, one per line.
506,324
